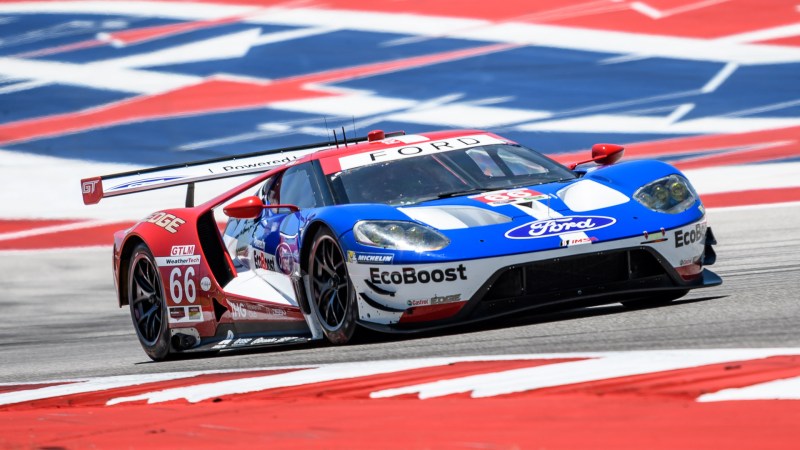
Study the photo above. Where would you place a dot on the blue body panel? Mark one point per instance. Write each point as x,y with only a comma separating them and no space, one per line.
632,218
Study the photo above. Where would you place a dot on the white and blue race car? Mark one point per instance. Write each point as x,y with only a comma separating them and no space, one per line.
400,233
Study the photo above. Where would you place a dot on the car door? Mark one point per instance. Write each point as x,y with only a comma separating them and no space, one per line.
275,244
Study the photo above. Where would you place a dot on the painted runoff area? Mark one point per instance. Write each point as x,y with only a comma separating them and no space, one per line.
739,398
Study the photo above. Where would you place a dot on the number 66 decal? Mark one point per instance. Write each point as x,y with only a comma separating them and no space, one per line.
176,289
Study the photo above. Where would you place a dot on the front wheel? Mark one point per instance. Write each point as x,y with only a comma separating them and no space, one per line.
333,298
148,308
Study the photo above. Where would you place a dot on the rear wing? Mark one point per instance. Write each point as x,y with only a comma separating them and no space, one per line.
95,189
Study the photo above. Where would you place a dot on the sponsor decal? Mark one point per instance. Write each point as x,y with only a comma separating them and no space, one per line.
241,342
192,260
182,250
177,313
89,186
144,182
435,300
195,313
688,237
205,284
652,238
241,311
276,340
509,197
264,261
182,314
256,165
224,343
410,275
369,258
284,258
166,221
577,241
560,225
416,149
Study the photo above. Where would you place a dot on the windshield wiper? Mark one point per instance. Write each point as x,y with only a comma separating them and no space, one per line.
463,192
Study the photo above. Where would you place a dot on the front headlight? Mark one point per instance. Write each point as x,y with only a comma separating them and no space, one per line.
671,195
399,235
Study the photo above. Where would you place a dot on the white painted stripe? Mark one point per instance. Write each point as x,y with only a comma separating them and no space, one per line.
622,123
788,389
611,366
234,45
97,384
95,76
719,78
646,10
714,180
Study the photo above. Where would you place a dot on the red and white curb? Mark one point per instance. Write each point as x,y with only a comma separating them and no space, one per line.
735,374
731,398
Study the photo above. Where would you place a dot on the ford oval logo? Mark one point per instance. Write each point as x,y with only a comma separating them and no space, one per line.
559,225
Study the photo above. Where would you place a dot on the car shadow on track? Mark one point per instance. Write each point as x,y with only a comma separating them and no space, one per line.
365,337
539,316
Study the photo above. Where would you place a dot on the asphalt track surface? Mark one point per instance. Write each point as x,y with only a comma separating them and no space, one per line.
60,319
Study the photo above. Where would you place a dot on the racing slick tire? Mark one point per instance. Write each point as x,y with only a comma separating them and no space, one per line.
654,300
333,297
146,300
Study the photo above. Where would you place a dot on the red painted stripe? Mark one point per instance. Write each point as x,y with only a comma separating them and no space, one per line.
84,237
559,422
680,17
139,35
753,197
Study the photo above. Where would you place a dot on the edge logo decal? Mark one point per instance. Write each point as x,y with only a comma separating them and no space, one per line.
560,225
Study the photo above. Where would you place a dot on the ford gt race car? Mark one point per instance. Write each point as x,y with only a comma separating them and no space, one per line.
399,233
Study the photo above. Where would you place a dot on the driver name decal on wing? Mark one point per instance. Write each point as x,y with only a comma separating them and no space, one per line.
509,197
560,225
419,149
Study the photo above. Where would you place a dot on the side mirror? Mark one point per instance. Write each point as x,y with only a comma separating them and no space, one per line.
251,207
604,154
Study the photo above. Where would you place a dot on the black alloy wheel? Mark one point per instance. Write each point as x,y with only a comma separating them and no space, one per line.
332,293
146,300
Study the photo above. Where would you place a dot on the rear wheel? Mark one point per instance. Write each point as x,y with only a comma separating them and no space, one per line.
653,300
146,300
333,298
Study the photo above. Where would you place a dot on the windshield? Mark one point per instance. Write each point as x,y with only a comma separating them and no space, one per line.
448,174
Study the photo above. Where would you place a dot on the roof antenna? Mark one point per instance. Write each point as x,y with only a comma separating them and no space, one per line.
335,139
344,136
354,125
